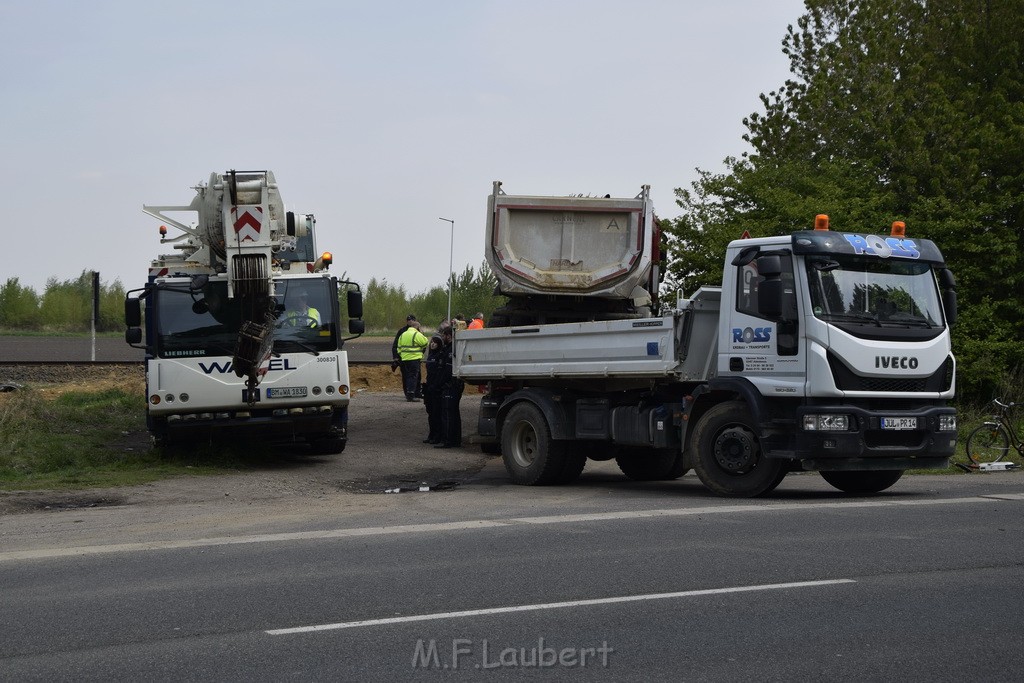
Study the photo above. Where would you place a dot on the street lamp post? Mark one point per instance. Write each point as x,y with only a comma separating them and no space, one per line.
451,255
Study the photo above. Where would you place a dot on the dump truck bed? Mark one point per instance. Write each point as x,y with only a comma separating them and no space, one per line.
679,346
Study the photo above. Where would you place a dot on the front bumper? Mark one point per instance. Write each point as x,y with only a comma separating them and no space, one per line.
866,445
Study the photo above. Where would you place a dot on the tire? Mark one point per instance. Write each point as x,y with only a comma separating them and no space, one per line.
646,464
575,461
330,445
727,454
531,456
872,481
988,443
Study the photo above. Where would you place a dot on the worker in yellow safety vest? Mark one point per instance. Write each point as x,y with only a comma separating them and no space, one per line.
407,350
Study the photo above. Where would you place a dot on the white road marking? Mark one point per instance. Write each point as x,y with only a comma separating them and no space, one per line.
443,527
552,605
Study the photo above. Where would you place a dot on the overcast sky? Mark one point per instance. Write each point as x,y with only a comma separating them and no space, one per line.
377,116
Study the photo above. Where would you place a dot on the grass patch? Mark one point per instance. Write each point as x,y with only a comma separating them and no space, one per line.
86,439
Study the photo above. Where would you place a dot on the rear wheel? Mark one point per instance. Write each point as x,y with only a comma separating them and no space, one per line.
531,456
648,464
862,482
988,443
727,453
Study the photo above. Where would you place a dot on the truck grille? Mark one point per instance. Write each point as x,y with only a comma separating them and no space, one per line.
847,380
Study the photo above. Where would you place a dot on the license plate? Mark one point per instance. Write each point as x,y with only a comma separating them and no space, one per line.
286,392
899,423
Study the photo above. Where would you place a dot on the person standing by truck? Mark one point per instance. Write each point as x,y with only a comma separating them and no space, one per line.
477,323
433,387
451,395
408,349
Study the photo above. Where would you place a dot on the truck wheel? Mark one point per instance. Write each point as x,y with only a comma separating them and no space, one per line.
329,445
531,456
575,461
645,464
862,482
727,454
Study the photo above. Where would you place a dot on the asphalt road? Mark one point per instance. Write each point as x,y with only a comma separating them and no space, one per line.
30,349
603,580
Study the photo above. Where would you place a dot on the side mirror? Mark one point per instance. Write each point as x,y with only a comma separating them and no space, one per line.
946,279
770,266
132,313
133,335
949,305
356,326
769,298
354,301
769,291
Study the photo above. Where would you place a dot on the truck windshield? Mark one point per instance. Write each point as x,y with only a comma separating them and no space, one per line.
874,291
206,322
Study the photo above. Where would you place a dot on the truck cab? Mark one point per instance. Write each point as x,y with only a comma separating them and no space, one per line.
840,343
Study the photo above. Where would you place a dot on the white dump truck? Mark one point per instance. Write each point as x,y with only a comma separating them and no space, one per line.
821,350
243,325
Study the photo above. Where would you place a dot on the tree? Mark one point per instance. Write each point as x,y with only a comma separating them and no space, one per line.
896,110
19,306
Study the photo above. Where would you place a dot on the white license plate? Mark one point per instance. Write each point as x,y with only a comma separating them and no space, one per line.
286,392
899,423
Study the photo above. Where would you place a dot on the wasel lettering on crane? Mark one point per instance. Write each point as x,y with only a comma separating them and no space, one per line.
896,362
225,367
883,247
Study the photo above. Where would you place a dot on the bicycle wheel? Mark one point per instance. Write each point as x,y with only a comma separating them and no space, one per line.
988,443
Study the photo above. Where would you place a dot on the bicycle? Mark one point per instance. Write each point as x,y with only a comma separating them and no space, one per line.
991,441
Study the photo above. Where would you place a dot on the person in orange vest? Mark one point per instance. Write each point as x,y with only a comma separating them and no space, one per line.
477,323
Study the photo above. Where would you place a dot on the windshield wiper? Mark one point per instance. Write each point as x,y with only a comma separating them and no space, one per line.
909,320
301,345
855,317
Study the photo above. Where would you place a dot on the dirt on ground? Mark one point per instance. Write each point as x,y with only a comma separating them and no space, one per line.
385,451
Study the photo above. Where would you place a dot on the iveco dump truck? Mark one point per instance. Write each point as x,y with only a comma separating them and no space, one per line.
820,350
243,325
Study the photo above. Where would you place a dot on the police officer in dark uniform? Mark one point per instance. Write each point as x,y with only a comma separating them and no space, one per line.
451,394
433,387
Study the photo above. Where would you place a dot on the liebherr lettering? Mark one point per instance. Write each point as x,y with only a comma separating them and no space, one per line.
896,362
225,367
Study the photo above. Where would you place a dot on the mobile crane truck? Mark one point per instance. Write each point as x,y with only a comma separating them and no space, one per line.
820,350
243,324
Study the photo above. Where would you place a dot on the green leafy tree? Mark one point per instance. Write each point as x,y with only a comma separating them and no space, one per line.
385,306
19,306
896,110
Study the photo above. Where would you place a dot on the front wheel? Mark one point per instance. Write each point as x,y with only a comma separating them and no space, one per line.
727,453
862,482
988,443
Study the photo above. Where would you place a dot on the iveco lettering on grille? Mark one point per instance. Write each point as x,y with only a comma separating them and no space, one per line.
894,362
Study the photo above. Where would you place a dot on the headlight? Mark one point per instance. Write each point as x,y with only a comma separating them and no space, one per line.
947,423
826,423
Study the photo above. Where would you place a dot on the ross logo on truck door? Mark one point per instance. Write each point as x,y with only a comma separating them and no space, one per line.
751,335
896,362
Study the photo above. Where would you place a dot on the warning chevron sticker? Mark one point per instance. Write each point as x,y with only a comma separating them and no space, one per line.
247,223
